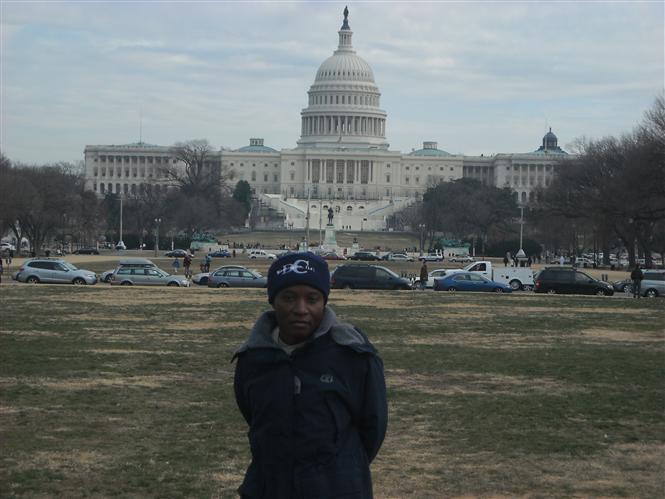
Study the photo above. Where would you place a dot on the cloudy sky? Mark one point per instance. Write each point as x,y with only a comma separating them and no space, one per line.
477,77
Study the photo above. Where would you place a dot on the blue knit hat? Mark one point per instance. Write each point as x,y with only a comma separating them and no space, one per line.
298,268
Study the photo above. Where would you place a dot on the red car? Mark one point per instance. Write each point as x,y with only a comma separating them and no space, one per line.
333,256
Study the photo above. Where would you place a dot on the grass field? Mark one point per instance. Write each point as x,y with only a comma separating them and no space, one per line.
127,392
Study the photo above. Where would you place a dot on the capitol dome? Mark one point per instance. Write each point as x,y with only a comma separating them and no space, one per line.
343,102
345,66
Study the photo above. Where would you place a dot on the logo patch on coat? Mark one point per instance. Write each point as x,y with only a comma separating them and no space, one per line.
327,378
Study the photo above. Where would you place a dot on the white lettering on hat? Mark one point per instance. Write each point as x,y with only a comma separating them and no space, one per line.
299,267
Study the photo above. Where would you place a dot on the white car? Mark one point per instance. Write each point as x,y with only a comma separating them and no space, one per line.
254,254
461,259
431,257
434,274
7,247
399,257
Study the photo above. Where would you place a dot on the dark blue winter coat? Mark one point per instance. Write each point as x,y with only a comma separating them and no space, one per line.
316,418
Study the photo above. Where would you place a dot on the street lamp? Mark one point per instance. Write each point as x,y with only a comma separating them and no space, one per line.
290,224
157,222
121,244
520,253
422,239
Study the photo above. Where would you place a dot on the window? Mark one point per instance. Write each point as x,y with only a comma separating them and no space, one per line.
388,178
265,177
292,176
253,176
276,177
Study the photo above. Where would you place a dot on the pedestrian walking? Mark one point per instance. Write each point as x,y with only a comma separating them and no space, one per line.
562,260
176,265
312,391
636,276
424,275
186,265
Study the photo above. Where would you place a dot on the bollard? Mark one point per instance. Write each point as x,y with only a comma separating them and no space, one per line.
604,277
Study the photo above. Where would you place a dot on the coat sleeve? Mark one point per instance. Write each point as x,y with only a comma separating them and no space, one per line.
241,399
374,417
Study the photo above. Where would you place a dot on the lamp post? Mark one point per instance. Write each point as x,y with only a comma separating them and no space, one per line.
290,224
157,222
121,244
520,253
422,241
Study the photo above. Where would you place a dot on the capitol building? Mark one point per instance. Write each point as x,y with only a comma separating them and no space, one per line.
341,161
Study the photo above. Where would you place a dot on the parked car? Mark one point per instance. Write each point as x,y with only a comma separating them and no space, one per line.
434,274
584,262
364,255
126,262
469,281
359,276
332,256
7,247
236,277
202,277
398,257
51,270
219,254
624,286
569,280
431,257
146,276
653,283
177,253
461,259
258,253
87,251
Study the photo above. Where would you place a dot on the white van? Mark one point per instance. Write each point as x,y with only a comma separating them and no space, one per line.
259,253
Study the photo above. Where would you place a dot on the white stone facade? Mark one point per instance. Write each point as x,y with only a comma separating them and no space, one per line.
342,159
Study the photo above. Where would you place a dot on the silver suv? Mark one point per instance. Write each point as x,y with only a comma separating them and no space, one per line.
653,283
51,270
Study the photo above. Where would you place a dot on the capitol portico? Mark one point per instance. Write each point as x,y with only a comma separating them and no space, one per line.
341,161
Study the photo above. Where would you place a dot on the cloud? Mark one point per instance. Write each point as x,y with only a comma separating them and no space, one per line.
476,77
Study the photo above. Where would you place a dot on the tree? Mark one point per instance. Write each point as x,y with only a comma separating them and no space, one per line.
617,184
41,197
467,208
243,193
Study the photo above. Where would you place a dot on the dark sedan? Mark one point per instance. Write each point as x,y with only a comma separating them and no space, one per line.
469,281
365,256
179,253
220,254
87,251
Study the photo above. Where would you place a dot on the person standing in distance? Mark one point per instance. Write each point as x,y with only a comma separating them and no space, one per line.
312,391
424,275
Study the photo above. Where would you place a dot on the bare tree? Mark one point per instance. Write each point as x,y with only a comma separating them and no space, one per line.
617,183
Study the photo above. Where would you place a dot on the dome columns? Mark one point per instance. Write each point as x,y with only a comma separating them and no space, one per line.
337,125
